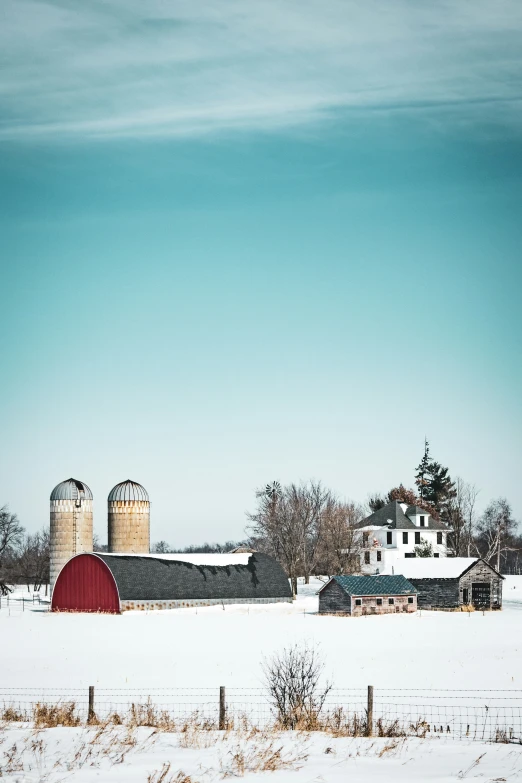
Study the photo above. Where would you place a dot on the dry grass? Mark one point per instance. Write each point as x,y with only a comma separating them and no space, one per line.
48,716
12,714
163,776
261,752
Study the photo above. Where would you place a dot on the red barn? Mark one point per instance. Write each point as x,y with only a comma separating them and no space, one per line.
112,582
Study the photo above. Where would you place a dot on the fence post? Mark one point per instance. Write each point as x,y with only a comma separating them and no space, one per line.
369,712
90,714
222,708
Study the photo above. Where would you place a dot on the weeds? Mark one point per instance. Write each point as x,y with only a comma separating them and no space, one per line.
47,716
263,753
160,776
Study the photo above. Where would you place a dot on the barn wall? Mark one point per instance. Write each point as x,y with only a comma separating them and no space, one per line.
436,593
85,584
482,572
333,599
369,605
186,603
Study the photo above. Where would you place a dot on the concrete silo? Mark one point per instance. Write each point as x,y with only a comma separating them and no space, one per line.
129,518
71,523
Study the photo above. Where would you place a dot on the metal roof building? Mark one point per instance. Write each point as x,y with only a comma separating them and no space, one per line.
361,595
115,582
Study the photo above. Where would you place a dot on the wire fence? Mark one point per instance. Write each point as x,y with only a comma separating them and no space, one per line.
487,716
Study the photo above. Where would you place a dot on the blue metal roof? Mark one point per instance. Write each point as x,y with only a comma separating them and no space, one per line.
71,489
128,491
380,584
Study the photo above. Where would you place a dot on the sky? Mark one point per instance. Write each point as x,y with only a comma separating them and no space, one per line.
253,241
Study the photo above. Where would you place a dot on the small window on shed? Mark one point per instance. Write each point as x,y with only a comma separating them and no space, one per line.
435,554
422,520
379,601
417,538
410,599
389,537
367,557
358,602
379,555
391,601
439,538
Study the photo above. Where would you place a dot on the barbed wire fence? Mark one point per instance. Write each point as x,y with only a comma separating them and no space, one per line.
487,716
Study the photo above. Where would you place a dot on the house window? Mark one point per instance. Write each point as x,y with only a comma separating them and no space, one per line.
435,554
379,602
422,518
389,537
365,539
367,557
417,538
358,602
439,538
379,556
410,599
404,538
391,601
410,554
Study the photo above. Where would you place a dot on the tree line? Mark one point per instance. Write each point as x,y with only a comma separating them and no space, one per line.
24,557
310,530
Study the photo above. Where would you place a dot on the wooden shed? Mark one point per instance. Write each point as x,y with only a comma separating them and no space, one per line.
360,595
453,582
115,582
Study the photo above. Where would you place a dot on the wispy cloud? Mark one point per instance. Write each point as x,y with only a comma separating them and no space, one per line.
116,68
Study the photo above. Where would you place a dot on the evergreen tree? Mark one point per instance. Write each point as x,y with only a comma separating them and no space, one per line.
434,482
421,477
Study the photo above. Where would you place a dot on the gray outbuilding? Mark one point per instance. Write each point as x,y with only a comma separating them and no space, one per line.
453,582
360,595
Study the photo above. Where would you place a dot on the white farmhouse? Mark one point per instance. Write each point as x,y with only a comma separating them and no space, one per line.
392,533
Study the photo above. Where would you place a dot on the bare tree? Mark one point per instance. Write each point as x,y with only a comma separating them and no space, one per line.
32,559
161,548
11,534
341,540
460,517
293,681
495,530
288,523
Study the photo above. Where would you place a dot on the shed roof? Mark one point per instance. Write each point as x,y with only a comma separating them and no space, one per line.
162,578
380,584
436,567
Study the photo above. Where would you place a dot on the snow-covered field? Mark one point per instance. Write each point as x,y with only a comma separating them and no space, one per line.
145,756
206,648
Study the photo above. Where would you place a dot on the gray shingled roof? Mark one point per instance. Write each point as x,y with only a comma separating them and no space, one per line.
380,584
392,511
154,579
399,520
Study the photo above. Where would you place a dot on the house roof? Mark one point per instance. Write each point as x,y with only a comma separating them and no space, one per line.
393,516
381,584
390,515
164,578
436,567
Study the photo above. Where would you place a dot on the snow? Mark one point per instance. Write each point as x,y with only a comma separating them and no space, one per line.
196,558
120,756
213,646
432,567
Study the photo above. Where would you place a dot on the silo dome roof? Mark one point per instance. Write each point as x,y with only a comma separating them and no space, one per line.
71,489
128,490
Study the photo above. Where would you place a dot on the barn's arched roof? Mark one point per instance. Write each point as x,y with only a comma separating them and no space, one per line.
128,491
142,578
71,489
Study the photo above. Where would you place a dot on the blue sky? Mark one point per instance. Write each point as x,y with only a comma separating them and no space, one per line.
249,241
